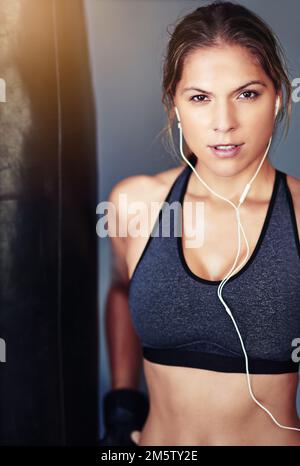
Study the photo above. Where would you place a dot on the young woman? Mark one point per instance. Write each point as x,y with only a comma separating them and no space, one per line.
224,77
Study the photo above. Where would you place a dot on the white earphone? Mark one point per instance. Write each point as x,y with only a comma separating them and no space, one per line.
231,272
277,105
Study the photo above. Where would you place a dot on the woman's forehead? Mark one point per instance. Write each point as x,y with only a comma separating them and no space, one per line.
217,66
220,57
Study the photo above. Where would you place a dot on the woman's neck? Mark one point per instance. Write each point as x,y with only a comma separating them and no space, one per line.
232,186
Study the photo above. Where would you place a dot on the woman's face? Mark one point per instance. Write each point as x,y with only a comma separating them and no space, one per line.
223,108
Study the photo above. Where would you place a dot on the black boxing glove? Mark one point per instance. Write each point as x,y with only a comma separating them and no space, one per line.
125,410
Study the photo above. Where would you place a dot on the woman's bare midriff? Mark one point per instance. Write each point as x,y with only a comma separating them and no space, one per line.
190,406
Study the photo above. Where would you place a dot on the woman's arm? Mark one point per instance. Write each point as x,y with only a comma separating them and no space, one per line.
124,347
125,407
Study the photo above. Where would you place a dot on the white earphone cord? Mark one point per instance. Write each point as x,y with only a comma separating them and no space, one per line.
226,278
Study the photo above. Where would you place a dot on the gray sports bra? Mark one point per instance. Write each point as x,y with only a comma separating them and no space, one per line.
181,321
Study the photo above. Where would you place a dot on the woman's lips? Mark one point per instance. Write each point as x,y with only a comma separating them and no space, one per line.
226,153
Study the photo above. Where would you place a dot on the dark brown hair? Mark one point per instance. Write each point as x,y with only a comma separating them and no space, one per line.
224,23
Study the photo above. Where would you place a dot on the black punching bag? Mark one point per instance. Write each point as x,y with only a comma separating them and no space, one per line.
48,258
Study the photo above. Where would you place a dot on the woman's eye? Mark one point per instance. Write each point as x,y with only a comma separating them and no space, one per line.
254,95
248,95
201,95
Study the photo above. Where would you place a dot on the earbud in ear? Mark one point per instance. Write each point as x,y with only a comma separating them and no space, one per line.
178,117
277,105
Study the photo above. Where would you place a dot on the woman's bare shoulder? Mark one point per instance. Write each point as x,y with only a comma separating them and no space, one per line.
293,182
145,187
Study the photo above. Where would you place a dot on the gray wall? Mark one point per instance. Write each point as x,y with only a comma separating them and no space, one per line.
127,39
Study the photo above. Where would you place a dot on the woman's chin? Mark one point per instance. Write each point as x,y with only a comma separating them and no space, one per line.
226,169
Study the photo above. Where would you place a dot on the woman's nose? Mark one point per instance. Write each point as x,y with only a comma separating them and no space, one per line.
223,118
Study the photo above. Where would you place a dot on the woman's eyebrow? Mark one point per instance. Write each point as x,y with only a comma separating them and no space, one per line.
262,83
